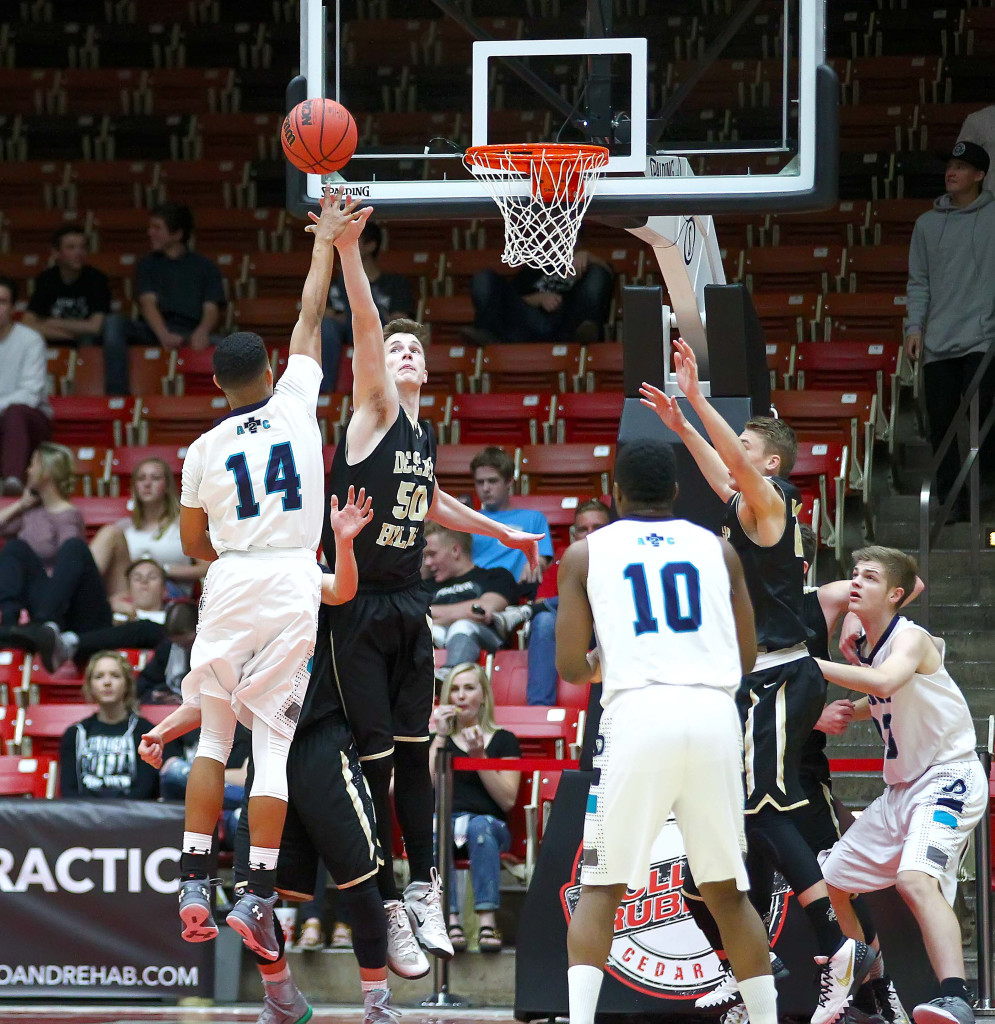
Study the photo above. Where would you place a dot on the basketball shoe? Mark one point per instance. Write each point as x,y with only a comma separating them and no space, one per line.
283,1003
944,1010
726,993
888,1002
839,975
377,1008
423,902
404,955
252,917
195,910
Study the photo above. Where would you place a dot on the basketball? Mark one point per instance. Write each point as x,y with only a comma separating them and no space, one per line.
319,136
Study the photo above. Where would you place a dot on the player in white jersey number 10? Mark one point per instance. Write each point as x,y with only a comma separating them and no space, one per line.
914,835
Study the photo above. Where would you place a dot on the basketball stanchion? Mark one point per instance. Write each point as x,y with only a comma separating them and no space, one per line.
983,887
441,996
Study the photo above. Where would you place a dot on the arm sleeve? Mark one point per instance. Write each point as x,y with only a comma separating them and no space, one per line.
68,779
500,581
917,291
193,472
301,381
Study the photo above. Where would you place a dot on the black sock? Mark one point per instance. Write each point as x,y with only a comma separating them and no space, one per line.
863,912
261,882
954,987
822,917
377,772
702,917
195,865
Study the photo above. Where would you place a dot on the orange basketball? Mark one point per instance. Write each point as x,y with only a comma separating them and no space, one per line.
319,136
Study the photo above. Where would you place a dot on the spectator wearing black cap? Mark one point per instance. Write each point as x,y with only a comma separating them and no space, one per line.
950,320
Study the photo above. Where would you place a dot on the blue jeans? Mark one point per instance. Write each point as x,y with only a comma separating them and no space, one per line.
541,688
486,839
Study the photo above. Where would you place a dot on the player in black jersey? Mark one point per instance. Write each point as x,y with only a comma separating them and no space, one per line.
781,700
382,652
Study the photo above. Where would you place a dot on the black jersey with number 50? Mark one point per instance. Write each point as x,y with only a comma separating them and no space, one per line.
399,475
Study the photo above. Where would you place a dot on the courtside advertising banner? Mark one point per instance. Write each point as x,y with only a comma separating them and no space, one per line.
88,890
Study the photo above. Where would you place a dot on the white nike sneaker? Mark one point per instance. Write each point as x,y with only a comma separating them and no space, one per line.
423,902
723,996
888,1001
839,975
404,956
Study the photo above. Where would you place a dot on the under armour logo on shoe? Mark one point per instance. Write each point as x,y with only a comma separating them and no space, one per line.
257,913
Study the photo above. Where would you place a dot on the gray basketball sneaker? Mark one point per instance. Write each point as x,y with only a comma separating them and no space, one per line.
423,902
252,917
404,956
944,1010
195,910
377,1008
283,1003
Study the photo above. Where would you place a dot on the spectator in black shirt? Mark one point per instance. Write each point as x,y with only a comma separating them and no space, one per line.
464,597
180,295
464,724
71,299
159,681
98,757
391,293
535,306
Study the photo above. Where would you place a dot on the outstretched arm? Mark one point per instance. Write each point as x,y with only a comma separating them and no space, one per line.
909,652
346,523
713,469
454,515
334,219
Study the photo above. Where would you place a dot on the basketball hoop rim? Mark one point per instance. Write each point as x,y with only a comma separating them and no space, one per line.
522,156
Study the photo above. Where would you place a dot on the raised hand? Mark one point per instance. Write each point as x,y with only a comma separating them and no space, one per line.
348,521
687,368
663,405
354,229
336,216
527,542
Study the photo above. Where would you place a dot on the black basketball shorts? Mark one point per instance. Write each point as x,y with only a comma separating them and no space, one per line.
817,821
778,707
383,662
330,814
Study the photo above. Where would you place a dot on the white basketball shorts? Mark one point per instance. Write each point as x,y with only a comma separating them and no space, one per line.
664,748
913,826
255,635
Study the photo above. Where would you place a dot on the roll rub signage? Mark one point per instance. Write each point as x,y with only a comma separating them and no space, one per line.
657,948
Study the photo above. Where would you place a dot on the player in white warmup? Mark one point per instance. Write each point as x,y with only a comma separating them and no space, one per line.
252,504
914,835
675,630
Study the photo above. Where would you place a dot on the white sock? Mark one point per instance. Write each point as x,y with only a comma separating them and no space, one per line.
263,858
197,842
584,987
375,985
276,977
760,997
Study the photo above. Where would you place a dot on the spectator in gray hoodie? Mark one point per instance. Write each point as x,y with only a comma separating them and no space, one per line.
951,303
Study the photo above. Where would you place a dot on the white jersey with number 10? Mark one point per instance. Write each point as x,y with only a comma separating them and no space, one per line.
259,473
660,594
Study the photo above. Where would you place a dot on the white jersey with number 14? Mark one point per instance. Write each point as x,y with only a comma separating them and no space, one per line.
660,594
259,473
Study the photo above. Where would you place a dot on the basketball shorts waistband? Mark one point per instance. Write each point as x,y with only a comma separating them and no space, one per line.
769,659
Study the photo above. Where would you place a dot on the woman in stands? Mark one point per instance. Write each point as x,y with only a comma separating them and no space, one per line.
45,567
98,757
152,531
464,724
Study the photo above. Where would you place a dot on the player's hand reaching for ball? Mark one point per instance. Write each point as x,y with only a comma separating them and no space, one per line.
336,216
664,406
150,749
687,368
350,236
346,522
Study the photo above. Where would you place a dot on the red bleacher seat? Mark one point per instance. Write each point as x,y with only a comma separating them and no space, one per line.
445,314
155,713
452,369
39,727
787,317
161,419
891,220
22,268
61,687
58,364
193,372
780,363
509,419
602,369
8,717
576,468
452,467
870,316
591,418
510,677
793,268
89,419
13,673
530,366
821,469
276,274
27,776
541,731
90,463
272,318
877,268
459,268
570,695
559,510
150,369
101,511
839,225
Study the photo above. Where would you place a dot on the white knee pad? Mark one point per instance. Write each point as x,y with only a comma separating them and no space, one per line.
269,760
217,729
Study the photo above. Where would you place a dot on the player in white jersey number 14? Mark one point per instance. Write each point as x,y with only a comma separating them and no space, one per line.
668,602
913,835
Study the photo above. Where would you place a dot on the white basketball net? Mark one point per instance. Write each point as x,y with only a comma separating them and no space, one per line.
540,228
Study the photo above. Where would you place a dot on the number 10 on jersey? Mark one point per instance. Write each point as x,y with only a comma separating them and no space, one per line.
681,597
